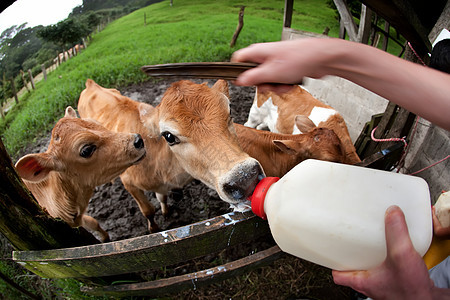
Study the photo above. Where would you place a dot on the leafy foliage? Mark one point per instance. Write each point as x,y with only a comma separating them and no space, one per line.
17,44
66,32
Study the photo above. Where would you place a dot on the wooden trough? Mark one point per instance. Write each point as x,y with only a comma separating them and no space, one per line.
94,263
51,249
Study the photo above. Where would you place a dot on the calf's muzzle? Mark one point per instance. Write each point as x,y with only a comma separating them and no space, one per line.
242,180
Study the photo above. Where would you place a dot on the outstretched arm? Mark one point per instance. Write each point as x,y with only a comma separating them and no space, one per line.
421,90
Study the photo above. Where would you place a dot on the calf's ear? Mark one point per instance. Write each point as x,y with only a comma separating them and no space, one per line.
222,86
304,124
70,112
286,146
35,167
149,116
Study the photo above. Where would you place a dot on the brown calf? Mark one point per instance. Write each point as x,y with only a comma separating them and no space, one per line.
82,155
278,112
198,140
278,153
159,171
195,121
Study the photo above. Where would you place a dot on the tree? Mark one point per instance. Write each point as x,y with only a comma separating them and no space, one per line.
66,33
17,44
92,19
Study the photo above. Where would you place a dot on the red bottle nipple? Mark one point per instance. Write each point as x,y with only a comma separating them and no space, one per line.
259,195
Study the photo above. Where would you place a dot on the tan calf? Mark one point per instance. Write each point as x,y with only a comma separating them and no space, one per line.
159,171
195,121
278,112
278,153
81,155
189,133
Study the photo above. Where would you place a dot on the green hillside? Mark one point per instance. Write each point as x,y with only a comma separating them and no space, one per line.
195,30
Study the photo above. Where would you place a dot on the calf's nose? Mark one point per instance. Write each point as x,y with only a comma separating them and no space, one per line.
138,141
243,182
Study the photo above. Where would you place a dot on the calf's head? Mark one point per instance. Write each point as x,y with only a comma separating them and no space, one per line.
315,143
85,151
195,121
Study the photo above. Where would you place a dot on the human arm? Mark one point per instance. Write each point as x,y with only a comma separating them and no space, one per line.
403,275
419,89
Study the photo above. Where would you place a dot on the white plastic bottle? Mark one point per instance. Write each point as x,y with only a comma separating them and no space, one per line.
333,214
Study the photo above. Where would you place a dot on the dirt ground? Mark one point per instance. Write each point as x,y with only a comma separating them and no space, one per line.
119,215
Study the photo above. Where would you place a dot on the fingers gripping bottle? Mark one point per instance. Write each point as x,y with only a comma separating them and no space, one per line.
333,214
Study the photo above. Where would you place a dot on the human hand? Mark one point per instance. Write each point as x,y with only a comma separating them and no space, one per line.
439,231
403,275
284,62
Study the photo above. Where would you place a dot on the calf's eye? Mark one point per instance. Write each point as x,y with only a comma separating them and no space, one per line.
170,138
87,150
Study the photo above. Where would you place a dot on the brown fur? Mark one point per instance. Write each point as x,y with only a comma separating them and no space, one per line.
197,115
62,181
159,171
208,148
278,153
299,102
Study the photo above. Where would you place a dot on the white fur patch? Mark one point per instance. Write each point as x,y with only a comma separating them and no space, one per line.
166,126
321,114
263,117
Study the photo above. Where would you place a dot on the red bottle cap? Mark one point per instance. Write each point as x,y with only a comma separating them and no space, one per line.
259,195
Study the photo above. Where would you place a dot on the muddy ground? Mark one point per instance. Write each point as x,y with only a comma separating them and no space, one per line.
119,215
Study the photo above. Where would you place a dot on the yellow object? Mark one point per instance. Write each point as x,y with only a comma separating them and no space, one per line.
440,247
438,251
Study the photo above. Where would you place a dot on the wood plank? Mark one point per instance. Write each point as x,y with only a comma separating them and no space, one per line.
288,9
376,160
401,15
195,280
383,126
145,252
364,137
365,25
347,20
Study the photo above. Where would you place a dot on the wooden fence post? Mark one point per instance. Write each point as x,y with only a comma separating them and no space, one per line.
31,79
239,27
44,71
365,25
13,88
24,223
288,9
386,39
25,83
